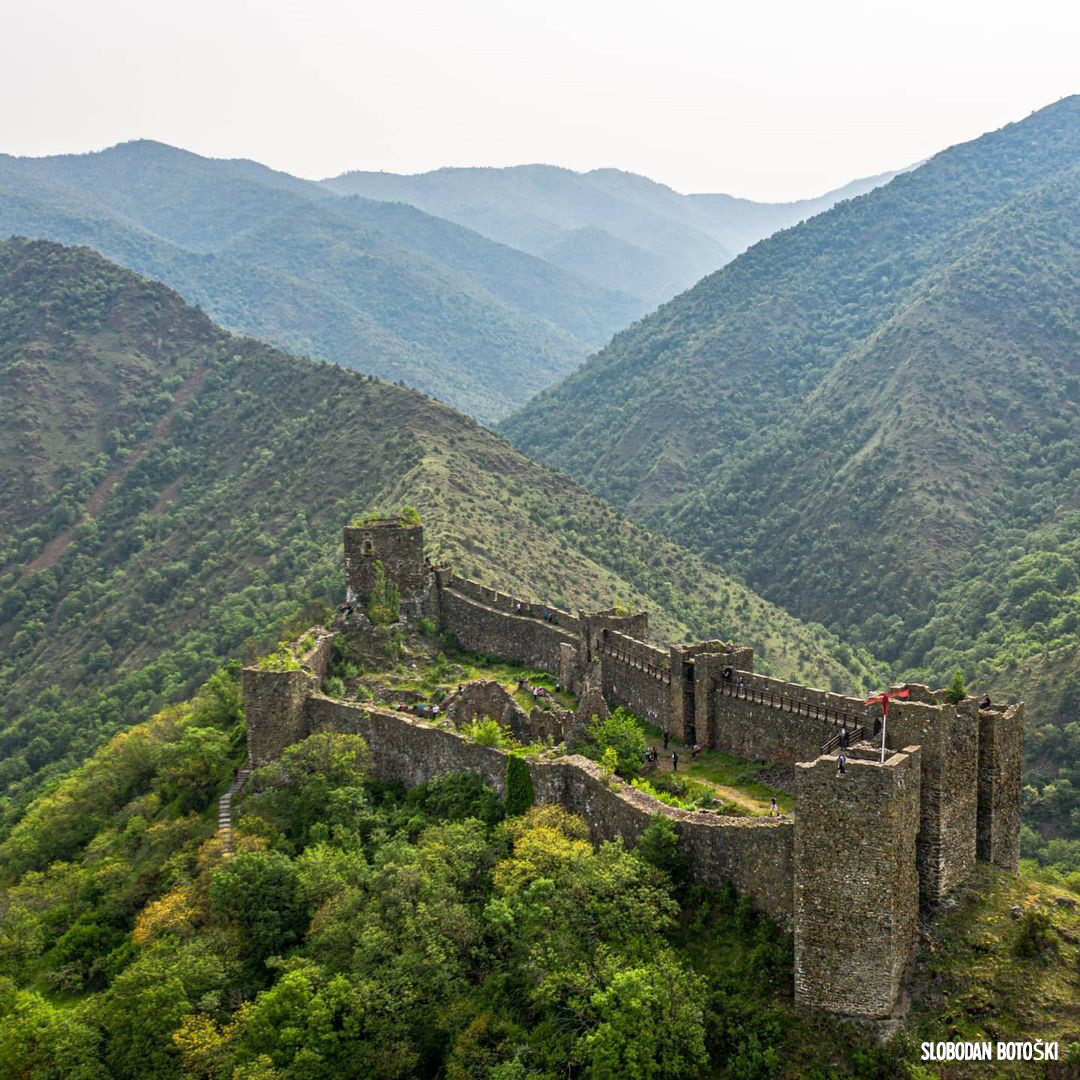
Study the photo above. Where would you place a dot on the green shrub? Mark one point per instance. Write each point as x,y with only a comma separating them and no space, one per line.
659,847
519,787
457,797
427,627
956,691
333,686
623,733
281,659
384,604
1035,935
486,732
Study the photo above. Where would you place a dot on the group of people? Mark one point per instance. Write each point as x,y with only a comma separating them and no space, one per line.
652,755
548,614
417,709
537,691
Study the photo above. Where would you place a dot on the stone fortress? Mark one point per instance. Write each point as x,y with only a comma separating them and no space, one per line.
848,871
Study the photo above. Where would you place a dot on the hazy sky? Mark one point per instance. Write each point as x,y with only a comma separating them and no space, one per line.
764,99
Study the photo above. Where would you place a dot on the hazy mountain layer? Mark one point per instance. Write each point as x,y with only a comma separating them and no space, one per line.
613,228
380,288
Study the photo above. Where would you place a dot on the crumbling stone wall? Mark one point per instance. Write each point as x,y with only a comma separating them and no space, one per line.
755,854
856,887
488,699
519,638
1001,753
274,700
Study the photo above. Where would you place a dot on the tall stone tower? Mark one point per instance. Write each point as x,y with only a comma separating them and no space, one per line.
856,883
398,548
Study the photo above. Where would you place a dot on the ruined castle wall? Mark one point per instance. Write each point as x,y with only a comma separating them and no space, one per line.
482,628
755,854
501,601
636,676
751,729
1001,752
856,886
274,700
274,708
950,761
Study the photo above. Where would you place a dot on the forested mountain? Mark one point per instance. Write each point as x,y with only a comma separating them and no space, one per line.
873,417
610,227
170,493
373,286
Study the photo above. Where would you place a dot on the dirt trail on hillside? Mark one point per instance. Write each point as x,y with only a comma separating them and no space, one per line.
54,550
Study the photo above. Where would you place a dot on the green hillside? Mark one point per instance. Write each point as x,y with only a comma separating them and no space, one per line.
872,417
377,287
362,930
607,226
170,494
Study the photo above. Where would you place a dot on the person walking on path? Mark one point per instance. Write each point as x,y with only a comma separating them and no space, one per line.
840,764
665,739
674,760
773,810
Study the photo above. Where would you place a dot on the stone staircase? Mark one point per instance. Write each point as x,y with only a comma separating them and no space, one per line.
225,830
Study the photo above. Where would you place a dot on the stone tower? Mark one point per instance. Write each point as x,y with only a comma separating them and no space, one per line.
398,548
856,882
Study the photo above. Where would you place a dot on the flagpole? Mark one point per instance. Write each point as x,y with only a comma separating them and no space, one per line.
884,718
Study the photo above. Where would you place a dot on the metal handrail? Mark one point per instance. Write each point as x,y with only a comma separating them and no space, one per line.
792,705
834,743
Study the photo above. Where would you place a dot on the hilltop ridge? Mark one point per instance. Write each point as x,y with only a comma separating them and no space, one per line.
219,498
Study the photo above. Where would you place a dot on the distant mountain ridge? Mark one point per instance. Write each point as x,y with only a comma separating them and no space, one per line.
611,227
386,289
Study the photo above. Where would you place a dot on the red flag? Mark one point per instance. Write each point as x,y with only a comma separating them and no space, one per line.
884,699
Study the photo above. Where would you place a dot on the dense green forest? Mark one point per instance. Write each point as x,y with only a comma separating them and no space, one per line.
360,930
374,286
171,495
872,419
613,228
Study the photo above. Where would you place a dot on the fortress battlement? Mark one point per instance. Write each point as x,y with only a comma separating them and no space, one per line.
924,792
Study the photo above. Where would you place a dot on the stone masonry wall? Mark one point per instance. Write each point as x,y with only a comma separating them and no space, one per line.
949,741
400,550
276,700
524,640
764,719
636,676
755,854
856,887
1001,752
501,601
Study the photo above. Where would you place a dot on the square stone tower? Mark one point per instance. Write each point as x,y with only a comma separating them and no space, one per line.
397,547
856,882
